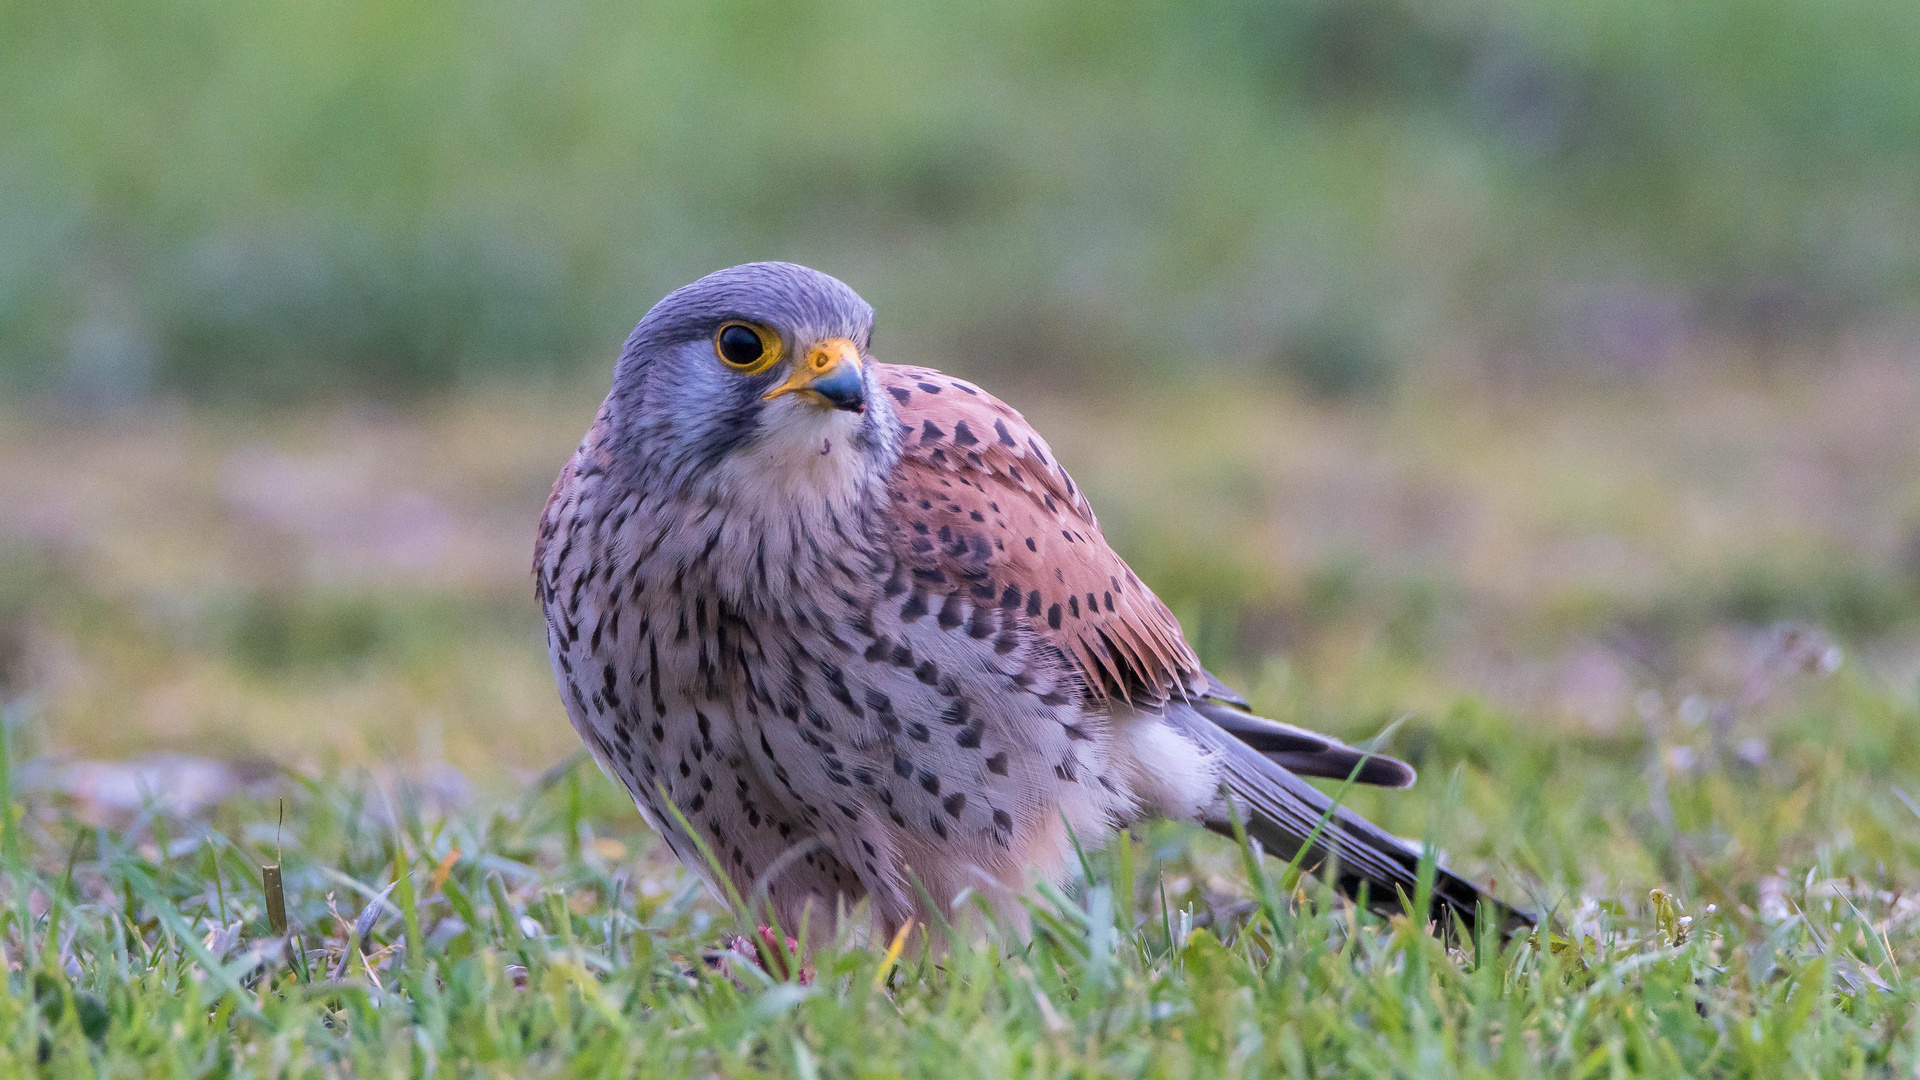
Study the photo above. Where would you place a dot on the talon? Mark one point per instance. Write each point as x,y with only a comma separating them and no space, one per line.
768,952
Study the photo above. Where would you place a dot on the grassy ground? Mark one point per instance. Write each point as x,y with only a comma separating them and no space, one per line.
1652,648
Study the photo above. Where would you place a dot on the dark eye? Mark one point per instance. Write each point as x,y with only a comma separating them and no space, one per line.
740,345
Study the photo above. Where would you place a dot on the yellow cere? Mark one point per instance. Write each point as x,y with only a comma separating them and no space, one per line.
826,356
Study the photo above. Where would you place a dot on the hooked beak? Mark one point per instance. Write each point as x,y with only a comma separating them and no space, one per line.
831,371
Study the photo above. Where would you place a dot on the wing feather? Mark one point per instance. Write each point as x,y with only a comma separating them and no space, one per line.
983,510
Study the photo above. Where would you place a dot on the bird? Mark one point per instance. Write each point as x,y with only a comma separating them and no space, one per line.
847,630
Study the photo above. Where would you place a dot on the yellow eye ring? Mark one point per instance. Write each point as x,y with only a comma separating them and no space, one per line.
746,348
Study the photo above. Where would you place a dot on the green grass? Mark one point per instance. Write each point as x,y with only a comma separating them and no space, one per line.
1567,604
1713,911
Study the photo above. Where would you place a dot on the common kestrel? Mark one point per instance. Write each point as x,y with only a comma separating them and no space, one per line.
859,626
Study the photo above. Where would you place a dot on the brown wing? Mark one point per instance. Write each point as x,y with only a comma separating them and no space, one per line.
984,512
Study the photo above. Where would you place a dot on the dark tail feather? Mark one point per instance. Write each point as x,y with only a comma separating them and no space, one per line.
1281,810
1303,752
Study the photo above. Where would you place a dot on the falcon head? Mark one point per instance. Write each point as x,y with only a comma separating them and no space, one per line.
760,368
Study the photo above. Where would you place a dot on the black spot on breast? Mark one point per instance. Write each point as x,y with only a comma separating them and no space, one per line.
1108,597
927,672
900,394
997,764
1053,616
929,387
1073,606
956,713
969,737
902,767
954,803
1010,599
939,827
918,732
950,611
837,686
983,623
1006,437
964,435
930,783
1030,544
930,431
915,606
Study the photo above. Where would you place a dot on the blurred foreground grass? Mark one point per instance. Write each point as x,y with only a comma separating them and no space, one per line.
1661,635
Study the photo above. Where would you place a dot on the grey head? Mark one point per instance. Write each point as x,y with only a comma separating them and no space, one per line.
767,352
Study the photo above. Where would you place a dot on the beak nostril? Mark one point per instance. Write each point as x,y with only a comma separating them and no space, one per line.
831,370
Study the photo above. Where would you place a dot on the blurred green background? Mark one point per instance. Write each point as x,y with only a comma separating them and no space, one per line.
263,201
1548,355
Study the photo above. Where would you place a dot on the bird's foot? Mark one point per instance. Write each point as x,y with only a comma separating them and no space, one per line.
765,948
